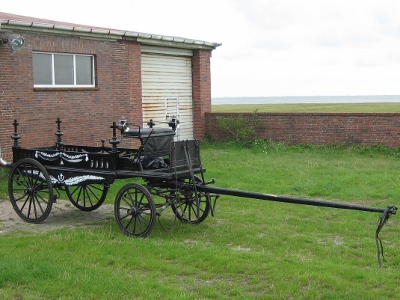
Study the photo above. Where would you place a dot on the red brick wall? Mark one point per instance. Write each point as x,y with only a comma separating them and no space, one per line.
321,128
7,71
201,90
86,114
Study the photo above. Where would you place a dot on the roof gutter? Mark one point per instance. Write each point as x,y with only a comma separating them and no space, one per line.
104,34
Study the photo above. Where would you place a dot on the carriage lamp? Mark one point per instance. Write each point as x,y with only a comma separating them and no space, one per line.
174,123
15,41
123,124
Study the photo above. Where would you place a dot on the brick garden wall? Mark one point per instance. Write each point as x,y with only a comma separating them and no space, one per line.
320,128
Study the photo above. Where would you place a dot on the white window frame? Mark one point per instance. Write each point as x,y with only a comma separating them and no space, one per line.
74,85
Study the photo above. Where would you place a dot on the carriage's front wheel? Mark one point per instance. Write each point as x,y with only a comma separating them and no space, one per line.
30,190
87,197
135,210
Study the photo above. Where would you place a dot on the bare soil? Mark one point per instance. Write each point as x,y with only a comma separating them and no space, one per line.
63,214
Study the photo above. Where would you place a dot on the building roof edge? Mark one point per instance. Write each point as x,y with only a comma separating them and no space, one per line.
9,22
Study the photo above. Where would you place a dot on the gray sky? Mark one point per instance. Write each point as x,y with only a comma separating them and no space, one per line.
269,47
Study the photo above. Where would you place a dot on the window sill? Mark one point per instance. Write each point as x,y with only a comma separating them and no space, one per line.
66,89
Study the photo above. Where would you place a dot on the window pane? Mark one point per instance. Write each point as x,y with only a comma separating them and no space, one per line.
42,69
84,70
63,69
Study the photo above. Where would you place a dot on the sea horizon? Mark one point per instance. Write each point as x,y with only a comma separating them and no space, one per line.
305,99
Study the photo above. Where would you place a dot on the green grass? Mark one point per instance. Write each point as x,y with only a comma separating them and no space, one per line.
251,250
315,107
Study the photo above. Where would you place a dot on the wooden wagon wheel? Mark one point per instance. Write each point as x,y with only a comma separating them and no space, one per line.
87,197
186,207
30,190
135,210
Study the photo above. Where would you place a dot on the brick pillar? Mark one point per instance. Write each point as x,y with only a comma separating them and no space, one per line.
135,114
201,75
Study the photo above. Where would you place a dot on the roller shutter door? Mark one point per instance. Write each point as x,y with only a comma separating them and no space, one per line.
167,87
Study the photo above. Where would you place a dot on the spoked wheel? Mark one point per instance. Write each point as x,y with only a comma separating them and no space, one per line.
186,207
135,210
30,190
87,197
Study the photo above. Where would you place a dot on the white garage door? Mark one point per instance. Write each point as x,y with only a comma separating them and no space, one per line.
167,87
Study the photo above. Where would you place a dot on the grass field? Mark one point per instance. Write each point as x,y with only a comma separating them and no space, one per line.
251,249
334,107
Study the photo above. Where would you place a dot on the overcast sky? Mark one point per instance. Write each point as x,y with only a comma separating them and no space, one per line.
269,47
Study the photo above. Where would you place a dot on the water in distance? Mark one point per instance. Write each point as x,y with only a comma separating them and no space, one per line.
305,99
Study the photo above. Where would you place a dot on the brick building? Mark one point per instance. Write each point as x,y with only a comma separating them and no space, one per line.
89,77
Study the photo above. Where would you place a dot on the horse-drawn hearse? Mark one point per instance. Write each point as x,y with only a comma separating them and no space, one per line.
171,170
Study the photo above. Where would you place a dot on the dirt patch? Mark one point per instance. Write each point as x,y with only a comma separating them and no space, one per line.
63,214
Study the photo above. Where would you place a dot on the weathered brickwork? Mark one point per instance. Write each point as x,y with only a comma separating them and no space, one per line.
201,90
320,128
86,113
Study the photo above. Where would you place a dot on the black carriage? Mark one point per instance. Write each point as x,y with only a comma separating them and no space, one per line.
171,170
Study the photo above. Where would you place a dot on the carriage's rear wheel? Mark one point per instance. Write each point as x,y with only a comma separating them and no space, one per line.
135,210
87,197
30,190
186,207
